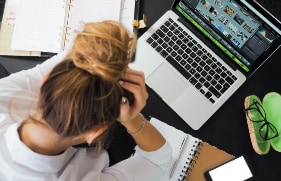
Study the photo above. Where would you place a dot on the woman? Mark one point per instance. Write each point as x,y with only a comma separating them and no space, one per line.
73,98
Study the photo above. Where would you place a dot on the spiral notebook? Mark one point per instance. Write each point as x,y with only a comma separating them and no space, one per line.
191,156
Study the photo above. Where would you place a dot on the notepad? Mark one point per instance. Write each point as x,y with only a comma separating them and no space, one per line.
191,156
48,26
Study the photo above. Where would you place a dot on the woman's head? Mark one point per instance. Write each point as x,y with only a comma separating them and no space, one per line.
83,91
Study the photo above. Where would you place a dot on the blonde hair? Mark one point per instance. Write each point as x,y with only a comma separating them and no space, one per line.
110,49
83,91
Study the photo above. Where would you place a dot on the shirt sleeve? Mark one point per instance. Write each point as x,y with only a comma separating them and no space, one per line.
143,166
22,87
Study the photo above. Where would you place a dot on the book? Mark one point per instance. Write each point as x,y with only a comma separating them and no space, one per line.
192,157
49,25
7,29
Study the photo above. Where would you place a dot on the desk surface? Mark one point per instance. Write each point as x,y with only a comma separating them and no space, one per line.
227,128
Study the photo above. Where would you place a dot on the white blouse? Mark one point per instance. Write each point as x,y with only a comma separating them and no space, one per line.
18,95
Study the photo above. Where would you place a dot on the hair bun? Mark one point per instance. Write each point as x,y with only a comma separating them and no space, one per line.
103,49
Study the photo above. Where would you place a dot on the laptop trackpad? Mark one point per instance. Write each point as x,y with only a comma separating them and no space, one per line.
166,83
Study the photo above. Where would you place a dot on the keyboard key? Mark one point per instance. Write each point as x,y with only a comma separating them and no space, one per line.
178,42
164,45
197,75
202,64
172,61
181,36
199,53
149,40
189,60
194,48
154,44
212,100
164,53
176,47
167,23
187,67
202,80
215,92
198,86
199,69
159,49
207,84
193,81
213,82
170,34
193,55
160,41
208,94
221,81
188,50
174,54
229,80
185,40
202,91
180,51
164,29
166,39
183,46
218,87
178,58
190,44
171,43
192,71
194,64
184,56
169,49
182,62
155,36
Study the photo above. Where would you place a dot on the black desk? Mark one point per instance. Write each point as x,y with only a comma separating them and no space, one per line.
227,128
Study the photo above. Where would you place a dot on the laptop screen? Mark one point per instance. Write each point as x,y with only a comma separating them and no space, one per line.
241,32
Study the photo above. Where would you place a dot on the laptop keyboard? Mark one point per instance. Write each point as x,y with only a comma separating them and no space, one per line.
193,61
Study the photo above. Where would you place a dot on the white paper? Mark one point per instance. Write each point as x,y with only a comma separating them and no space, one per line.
175,138
85,11
127,14
40,23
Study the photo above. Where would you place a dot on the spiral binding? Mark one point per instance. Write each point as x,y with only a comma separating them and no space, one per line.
66,29
191,161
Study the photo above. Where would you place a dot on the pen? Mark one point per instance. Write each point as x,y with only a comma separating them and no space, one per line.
177,160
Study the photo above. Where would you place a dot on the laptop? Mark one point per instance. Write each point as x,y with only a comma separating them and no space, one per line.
201,51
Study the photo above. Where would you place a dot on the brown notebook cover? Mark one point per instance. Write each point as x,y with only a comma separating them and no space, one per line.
205,158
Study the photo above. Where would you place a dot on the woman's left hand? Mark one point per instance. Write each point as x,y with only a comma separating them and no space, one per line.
134,82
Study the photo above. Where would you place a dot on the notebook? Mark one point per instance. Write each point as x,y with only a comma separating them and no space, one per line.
191,156
49,26
201,51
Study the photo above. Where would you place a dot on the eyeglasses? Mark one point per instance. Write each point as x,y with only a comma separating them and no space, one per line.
257,114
